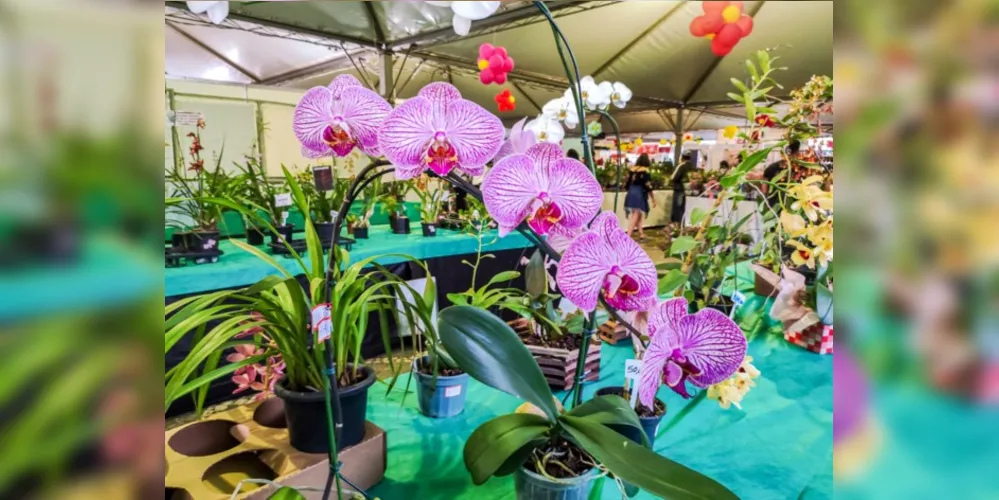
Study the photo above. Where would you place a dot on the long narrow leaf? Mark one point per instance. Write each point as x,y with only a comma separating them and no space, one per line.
489,446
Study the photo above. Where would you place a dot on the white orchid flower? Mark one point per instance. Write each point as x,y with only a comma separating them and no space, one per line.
620,94
546,129
563,110
466,12
594,96
217,11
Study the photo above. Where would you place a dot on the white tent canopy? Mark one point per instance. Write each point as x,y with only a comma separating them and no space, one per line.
398,47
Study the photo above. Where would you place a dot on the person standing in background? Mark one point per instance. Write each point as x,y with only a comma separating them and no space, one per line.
572,153
636,202
677,183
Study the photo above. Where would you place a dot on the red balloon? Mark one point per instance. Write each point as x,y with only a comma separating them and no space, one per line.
500,51
697,27
508,67
714,7
496,62
719,49
745,23
486,76
500,78
728,35
737,5
712,23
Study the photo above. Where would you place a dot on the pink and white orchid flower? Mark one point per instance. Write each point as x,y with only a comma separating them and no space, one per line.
518,142
439,130
544,188
706,348
546,129
334,120
604,260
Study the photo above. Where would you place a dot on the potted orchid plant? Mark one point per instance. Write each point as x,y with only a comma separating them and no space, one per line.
431,199
372,194
394,204
263,195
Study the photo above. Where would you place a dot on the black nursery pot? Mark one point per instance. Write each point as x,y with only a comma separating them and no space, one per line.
649,424
400,225
199,240
325,231
305,413
361,233
429,229
282,231
254,236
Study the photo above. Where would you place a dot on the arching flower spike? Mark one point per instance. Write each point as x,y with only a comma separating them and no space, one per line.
705,348
334,120
440,131
604,260
544,188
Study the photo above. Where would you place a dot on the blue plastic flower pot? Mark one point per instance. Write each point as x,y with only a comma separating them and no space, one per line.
444,399
649,424
531,486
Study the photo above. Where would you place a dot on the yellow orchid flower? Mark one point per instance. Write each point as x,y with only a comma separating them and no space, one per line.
802,255
731,390
810,199
793,224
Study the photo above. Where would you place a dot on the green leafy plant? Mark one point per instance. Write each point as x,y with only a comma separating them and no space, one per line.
189,201
258,192
276,311
604,428
394,199
372,194
431,199
322,203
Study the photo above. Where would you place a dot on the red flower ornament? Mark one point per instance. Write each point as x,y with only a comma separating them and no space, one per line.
494,64
724,24
505,101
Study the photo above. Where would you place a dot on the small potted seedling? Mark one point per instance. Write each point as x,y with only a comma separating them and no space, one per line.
431,198
372,194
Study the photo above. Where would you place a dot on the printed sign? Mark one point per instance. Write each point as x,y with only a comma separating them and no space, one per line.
453,391
187,118
282,200
321,323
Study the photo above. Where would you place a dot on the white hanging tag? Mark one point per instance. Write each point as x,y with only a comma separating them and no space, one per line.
738,298
321,323
284,218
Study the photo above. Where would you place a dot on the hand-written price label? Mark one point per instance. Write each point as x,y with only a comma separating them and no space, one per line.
282,200
321,323
633,370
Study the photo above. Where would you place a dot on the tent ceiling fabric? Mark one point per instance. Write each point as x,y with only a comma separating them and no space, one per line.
646,45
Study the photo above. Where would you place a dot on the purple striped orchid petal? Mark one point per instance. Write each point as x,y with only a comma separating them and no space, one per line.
543,188
314,154
440,131
604,260
561,237
706,348
339,118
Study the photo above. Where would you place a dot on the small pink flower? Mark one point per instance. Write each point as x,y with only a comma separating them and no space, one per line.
334,120
604,260
244,351
440,131
551,192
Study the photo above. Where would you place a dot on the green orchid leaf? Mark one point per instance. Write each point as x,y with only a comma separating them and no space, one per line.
673,279
489,351
614,412
639,465
681,245
697,215
491,445
504,276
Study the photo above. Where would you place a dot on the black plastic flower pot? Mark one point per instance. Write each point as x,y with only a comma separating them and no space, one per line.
649,424
200,240
284,231
325,231
429,229
305,413
400,225
254,236
361,233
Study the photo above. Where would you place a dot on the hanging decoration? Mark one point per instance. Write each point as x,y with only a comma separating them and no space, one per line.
638,142
494,64
724,24
594,128
505,101
688,137
663,142
730,131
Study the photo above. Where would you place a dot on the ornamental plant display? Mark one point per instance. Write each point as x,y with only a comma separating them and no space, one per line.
258,192
373,193
191,189
431,195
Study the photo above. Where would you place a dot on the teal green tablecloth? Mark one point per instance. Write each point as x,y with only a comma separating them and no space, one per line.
239,268
779,446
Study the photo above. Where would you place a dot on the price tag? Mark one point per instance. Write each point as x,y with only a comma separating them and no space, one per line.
632,371
321,323
284,218
452,392
282,200
738,298
333,215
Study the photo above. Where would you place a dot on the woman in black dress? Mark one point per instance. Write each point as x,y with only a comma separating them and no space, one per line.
636,203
